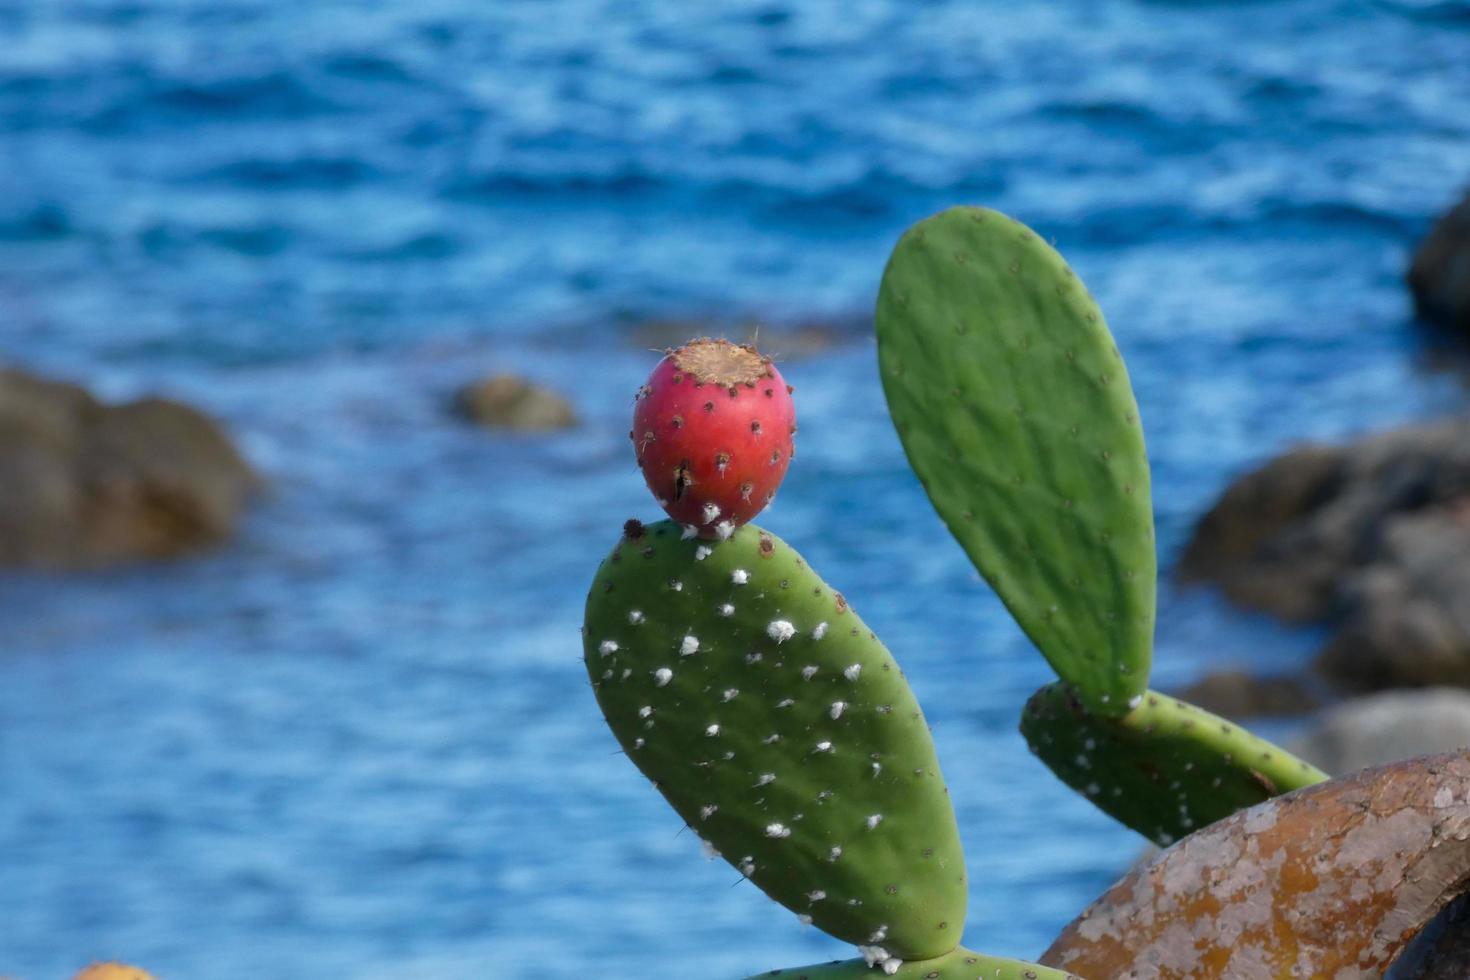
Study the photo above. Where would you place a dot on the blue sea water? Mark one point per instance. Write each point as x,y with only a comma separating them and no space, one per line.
358,742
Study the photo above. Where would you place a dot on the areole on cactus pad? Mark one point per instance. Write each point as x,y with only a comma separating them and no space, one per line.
712,431
1014,407
781,730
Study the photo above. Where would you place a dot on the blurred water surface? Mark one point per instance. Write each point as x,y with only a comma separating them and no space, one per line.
358,742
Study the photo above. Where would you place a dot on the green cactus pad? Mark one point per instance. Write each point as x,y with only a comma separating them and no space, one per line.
1014,407
960,964
781,730
1166,768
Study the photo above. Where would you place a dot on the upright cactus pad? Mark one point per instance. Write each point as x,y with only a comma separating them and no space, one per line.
1016,413
1166,768
781,730
959,964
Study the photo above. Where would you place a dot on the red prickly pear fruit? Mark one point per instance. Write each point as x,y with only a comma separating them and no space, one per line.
712,430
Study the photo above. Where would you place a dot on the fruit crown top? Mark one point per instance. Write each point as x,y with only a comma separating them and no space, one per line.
721,362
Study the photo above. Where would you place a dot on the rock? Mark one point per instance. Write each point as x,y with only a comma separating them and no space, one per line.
1332,880
1237,694
1373,537
1439,275
83,484
1260,542
509,402
1441,951
1407,622
1386,727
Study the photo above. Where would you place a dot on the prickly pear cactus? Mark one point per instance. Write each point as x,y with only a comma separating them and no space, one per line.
1166,768
1014,407
960,964
781,730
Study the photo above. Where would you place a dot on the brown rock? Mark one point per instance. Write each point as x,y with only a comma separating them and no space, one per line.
1282,538
1407,622
1259,543
113,971
509,402
1333,880
1439,275
1237,694
83,484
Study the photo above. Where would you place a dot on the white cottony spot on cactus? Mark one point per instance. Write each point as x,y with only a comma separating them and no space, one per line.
891,965
816,896
753,658
638,743
1093,789
1090,744
874,820
852,671
627,672
703,552
707,811
708,850
880,934
740,576
877,768
780,630
676,585
834,854
710,512
837,709
645,711
689,647
727,610
662,676
1135,701
729,694
808,672
712,730
824,746
747,866
785,702
724,530
805,920
607,647
690,531
878,956
635,617
777,830
771,739
1083,761
766,778
819,631
607,674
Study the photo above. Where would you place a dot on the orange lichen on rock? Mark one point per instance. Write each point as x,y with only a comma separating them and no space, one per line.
1331,881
